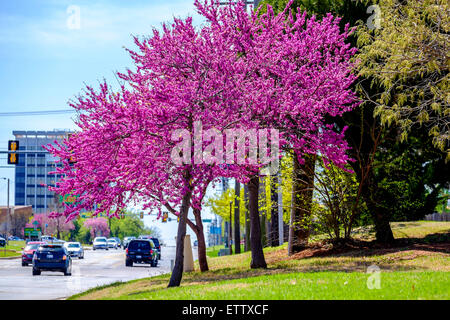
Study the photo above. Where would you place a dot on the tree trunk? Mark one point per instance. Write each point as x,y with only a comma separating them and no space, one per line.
274,239
380,215
177,273
258,260
247,220
302,192
237,219
201,249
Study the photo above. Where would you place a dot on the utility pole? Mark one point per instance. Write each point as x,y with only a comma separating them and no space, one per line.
237,220
229,230
247,221
280,210
8,212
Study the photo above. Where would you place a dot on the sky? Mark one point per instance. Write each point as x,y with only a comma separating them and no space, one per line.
51,49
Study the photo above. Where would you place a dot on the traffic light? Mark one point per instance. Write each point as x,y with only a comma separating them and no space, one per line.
13,158
165,216
142,215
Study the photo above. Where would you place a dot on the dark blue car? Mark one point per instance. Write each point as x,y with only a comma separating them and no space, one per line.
52,257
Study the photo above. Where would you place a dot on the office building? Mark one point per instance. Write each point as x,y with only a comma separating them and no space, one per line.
33,170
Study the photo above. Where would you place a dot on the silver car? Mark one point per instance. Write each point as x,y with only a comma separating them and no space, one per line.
112,243
75,249
100,243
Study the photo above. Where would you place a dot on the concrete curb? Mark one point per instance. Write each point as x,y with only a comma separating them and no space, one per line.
10,258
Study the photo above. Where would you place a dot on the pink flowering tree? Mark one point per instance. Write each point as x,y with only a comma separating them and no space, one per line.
98,227
298,73
237,71
51,224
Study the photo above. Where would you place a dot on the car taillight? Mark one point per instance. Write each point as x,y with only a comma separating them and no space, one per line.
126,251
151,251
64,257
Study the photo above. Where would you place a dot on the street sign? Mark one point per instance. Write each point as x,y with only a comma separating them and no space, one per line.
31,232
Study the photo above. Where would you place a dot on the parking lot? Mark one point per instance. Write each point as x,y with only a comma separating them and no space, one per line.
98,267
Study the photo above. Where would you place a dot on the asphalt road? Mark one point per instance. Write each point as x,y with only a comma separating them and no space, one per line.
98,267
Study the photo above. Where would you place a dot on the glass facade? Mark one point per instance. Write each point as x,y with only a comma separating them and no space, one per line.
33,171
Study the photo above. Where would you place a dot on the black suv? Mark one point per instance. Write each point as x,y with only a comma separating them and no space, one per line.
141,251
52,257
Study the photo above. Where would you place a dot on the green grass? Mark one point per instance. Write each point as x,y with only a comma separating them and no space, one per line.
214,250
410,272
13,249
308,286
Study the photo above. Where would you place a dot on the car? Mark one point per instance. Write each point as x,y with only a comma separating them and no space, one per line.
75,249
100,243
119,243
47,238
28,252
52,257
112,243
14,238
2,242
141,251
158,246
196,243
127,240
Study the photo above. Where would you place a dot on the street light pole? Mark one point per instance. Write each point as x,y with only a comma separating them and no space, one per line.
229,230
8,213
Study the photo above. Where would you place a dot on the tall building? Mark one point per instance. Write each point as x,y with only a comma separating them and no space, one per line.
33,170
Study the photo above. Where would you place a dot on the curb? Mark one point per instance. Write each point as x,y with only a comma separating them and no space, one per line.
10,258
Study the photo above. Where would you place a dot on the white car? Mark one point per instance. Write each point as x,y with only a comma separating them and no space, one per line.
75,249
112,243
100,243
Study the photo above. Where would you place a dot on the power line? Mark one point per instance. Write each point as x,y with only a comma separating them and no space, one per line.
35,113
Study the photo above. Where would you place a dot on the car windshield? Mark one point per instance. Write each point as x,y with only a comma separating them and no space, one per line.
111,240
32,246
73,245
155,241
144,245
100,240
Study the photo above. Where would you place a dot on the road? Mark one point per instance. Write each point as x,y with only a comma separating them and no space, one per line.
97,268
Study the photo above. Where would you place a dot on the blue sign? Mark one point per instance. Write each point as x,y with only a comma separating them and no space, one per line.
215,230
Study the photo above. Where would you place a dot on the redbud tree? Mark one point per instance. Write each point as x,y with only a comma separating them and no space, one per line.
236,71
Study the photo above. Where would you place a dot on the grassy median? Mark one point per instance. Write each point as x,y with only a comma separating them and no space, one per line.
12,249
417,269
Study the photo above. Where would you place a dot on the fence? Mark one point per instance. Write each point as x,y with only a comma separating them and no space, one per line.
438,216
